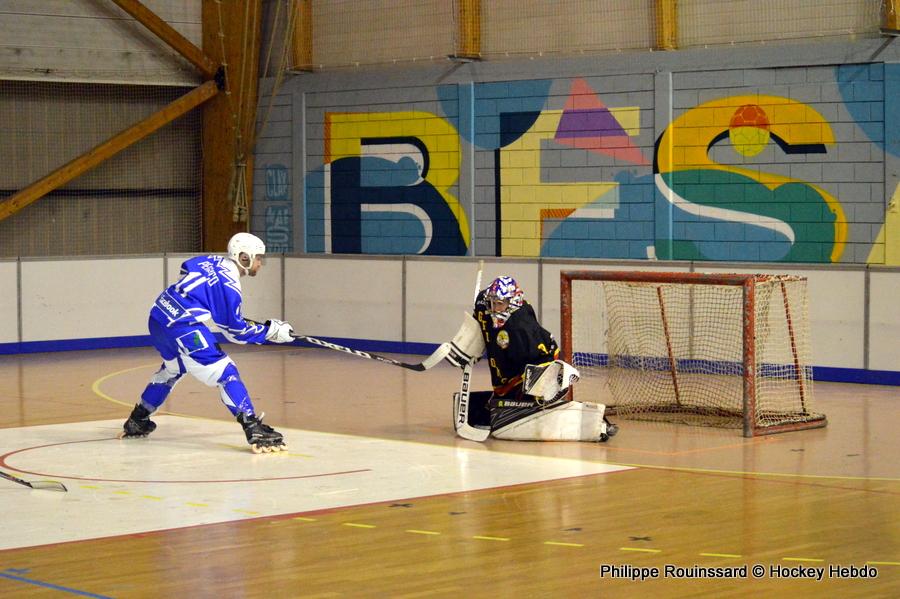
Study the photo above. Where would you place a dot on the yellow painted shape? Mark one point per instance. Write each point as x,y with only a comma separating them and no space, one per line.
305,519
886,249
523,196
794,122
734,555
356,525
640,550
483,538
629,117
422,532
346,131
151,497
684,144
193,504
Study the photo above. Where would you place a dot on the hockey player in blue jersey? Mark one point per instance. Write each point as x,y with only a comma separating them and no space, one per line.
209,291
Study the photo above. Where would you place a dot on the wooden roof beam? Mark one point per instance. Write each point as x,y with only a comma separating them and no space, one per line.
169,35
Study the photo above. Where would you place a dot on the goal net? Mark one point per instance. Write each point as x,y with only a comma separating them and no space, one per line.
725,350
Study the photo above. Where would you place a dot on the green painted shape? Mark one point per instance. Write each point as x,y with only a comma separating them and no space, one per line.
795,203
681,250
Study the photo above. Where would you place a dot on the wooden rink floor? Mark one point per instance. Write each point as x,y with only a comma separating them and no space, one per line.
377,497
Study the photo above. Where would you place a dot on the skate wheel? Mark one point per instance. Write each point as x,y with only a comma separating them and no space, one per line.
257,449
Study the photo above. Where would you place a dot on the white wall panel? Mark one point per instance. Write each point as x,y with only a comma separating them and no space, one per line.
439,291
884,320
77,299
9,289
353,298
836,312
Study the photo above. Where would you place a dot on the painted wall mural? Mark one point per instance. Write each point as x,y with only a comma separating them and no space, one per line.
730,212
582,167
388,185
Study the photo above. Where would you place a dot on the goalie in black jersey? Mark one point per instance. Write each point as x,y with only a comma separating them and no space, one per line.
530,383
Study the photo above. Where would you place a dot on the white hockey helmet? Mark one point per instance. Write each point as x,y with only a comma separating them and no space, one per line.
245,243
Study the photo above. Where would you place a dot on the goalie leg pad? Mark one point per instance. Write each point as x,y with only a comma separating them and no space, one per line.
563,421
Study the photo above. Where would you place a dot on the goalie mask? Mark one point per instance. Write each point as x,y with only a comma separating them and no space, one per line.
245,243
503,297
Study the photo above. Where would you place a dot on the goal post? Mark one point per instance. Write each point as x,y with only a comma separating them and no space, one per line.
729,350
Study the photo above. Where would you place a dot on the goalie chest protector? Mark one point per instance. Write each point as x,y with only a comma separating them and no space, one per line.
519,342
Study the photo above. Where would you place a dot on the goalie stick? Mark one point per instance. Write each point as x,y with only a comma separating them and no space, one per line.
461,407
46,485
439,354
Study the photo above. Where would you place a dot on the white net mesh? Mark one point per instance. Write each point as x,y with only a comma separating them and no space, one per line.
517,27
713,22
354,33
144,199
674,351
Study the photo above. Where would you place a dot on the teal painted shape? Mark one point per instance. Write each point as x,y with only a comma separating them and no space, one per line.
797,204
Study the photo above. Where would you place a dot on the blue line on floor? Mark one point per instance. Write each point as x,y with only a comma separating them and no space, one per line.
55,587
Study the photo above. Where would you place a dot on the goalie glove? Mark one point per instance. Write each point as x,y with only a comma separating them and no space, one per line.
279,331
549,382
467,345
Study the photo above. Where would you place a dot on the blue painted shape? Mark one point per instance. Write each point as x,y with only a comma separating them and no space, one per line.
314,209
859,92
279,229
490,100
380,172
626,235
514,125
891,141
277,182
391,233
348,194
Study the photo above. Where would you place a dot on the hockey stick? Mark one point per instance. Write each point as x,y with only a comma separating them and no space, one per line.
45,485
439,354
461,406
